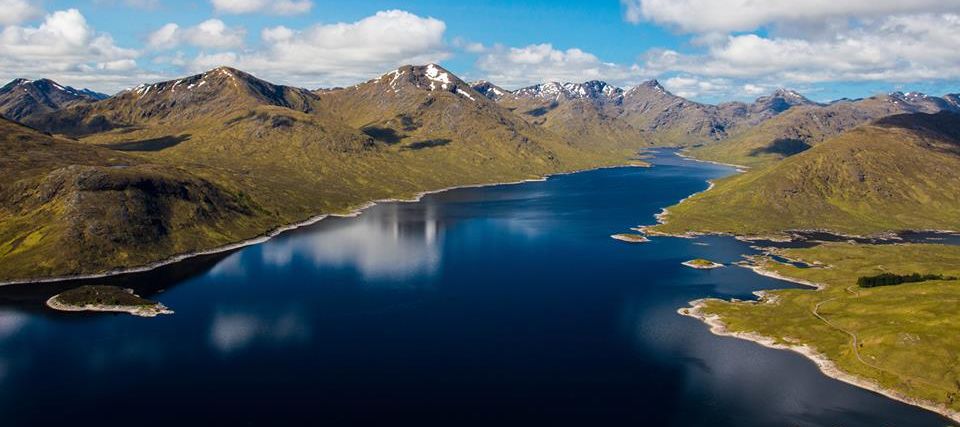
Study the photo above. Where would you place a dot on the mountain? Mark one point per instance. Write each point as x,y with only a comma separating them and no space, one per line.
583,113
594,90
215,158
22,97
808,124
489,90
897,173
673,120
427,107
781,100
70,208
214,94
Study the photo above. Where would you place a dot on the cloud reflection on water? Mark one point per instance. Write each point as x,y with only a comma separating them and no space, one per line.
236,329
382,243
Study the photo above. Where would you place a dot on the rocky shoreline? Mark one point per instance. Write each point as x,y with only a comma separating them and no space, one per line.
106,299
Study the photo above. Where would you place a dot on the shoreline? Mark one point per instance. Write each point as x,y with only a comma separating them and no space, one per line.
144,311
740,168
826,366
270,234
784,237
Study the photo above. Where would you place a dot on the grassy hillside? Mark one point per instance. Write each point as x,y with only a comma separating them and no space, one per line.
901,338
69,208
185,168
897,174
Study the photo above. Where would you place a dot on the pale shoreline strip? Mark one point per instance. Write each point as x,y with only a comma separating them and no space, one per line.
826,366
145,311
282,229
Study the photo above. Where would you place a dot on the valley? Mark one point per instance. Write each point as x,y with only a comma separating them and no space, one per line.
94,186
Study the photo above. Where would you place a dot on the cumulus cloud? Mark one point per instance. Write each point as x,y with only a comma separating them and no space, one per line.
278,7
778,43
18,11
536,63
64,46
694,87
702,16
341,53
212,33
896,48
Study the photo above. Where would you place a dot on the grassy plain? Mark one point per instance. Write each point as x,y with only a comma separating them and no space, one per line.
902,338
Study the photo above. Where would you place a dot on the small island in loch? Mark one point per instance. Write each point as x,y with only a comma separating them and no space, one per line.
630,238
108,299
702,264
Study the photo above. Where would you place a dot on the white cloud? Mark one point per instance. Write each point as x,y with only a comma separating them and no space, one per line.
703,16
65,47
18,11
212,33
278,7
754,90
694,87
536,63
468,46
341,53
897,48
166,37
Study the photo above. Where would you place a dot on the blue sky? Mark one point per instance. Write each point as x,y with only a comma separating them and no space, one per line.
708,50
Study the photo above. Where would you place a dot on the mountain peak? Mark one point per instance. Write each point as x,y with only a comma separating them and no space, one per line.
23,97
429,77
788,93
779,101
653,83
594,90
647,87
489,90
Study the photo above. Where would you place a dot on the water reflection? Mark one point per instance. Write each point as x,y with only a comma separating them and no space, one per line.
505,303
380,244
234,329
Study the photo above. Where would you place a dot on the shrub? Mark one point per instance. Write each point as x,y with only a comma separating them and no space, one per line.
889,279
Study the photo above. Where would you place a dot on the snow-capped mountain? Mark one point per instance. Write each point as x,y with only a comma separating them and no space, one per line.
490,90
595,90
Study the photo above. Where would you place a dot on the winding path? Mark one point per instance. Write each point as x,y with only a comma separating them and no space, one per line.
855,342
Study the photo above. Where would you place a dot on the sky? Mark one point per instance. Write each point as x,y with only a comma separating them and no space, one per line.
706,50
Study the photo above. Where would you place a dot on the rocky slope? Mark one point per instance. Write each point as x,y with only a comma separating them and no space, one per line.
806,125
215,94
584,113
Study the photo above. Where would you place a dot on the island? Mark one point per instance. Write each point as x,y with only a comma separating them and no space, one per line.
108,299
630,238
702,264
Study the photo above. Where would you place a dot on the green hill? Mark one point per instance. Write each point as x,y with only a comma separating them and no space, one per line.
896,174
69,208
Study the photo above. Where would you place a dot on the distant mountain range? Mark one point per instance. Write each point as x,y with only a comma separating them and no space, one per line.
210,159
23,98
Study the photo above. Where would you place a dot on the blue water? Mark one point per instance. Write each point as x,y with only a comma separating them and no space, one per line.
490,306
